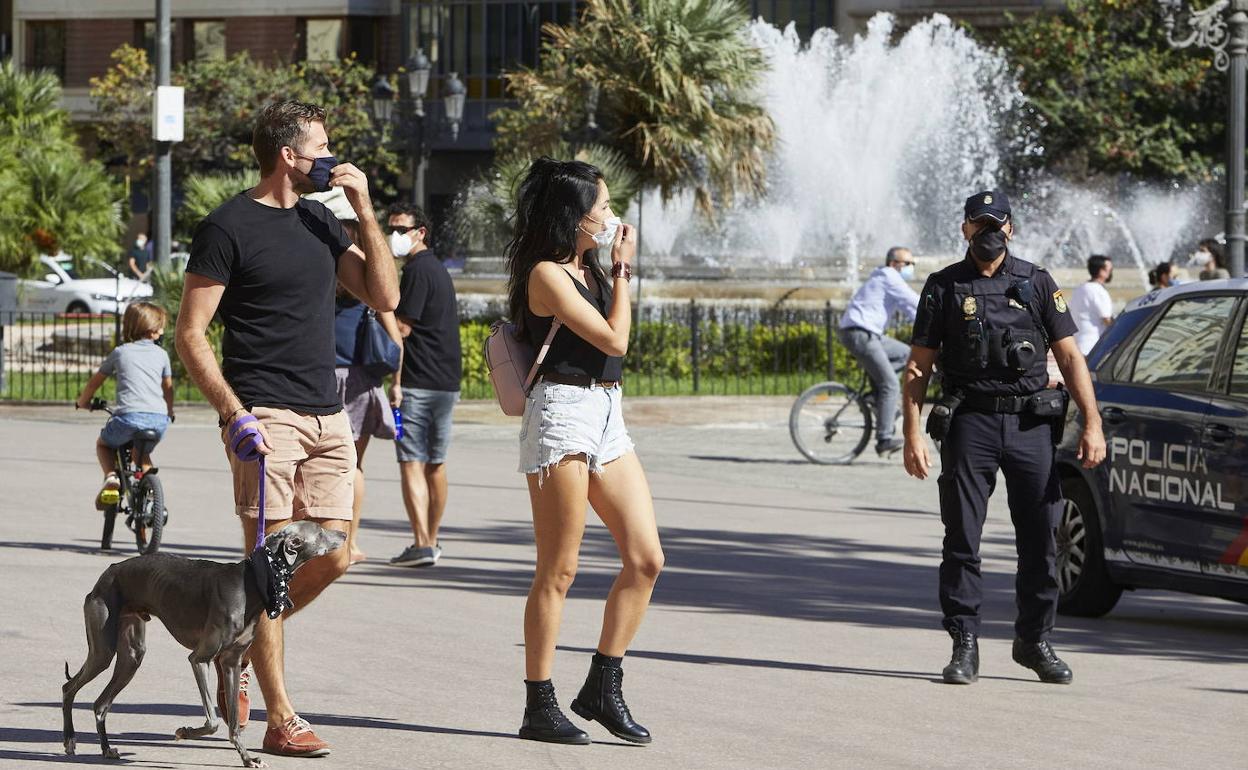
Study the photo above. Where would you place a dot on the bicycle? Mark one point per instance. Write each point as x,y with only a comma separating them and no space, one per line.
831,423
141,498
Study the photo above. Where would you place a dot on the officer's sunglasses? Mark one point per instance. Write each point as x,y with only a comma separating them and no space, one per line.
392,229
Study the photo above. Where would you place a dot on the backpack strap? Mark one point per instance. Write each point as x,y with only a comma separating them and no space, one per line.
541,355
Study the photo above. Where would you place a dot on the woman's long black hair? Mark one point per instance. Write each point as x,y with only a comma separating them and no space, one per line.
551,202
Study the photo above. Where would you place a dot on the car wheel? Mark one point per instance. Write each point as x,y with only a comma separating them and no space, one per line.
1084,585
78,306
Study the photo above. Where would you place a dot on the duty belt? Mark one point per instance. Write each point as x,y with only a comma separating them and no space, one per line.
998,404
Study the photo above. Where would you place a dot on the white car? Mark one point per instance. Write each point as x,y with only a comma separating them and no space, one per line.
62,290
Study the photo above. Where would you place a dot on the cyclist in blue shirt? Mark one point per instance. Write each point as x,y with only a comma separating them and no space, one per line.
884,294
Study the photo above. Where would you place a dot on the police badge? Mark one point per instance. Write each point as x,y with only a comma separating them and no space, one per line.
1059,301
969,306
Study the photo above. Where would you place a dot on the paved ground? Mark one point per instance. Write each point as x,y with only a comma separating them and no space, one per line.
794,626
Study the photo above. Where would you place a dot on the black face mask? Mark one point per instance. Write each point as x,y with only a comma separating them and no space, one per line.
987,245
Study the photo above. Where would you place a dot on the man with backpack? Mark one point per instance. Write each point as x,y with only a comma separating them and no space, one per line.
428,317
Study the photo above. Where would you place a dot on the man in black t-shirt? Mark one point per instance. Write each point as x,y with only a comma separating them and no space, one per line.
267,261
428,317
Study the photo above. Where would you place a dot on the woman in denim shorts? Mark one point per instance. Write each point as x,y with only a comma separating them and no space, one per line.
574,447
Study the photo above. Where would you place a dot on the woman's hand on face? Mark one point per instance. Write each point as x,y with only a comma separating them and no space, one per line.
625,246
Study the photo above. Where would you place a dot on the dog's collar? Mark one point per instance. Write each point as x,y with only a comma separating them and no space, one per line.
271,575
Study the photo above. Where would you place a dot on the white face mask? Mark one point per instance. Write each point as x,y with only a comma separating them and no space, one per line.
907,272
400,244
606,237
1201,258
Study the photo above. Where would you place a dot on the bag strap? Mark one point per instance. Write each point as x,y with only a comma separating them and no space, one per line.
541,354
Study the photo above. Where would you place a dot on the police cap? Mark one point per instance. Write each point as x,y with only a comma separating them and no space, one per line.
989,204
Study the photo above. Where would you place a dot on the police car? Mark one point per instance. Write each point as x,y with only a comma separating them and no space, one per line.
1169,506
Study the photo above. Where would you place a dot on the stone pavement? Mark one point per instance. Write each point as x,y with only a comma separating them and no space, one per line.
795,624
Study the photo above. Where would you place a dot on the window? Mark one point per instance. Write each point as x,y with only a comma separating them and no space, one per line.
322,39
362,35
47,47
1239,369
1181,350
145,38
207,40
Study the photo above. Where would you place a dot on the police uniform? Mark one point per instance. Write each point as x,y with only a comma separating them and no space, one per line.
993,334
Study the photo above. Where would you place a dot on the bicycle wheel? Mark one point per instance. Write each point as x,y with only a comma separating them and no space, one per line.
149,514
829,424
110,519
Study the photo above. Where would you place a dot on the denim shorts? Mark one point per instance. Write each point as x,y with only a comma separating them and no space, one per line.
561,420
120,429
426,425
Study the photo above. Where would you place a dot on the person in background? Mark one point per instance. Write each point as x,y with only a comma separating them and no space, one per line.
428,317
1160,278
141,257
1091,307
144,392
367,409
884,294
1211,260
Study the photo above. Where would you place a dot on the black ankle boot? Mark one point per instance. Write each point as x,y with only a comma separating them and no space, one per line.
602,700
963,665
1039,657
544,721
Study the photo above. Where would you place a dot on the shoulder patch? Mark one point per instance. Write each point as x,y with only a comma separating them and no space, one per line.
1059,301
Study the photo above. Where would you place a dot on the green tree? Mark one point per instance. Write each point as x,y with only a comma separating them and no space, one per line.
224,97
670,85
204,192
51,197
1111,95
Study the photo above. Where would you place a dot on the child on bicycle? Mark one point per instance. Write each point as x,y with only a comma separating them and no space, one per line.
144,392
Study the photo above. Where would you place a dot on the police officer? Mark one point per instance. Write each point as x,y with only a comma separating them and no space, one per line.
987,322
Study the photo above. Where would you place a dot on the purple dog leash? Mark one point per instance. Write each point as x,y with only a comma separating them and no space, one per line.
245,441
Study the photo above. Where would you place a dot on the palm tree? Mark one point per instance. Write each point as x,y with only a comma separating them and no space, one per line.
30,106
667,83
51,197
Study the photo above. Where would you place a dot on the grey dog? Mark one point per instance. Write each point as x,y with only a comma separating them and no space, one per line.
211,609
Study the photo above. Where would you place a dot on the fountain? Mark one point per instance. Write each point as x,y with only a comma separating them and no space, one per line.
879,141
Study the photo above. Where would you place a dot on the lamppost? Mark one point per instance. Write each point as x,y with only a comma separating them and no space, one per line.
1223,29
412,113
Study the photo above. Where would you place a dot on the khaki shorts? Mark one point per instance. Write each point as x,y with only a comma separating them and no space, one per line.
311,473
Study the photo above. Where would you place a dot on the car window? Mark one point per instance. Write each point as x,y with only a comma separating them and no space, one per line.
1181,349
1239,369
68,266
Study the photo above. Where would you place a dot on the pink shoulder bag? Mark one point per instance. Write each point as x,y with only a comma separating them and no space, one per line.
513,364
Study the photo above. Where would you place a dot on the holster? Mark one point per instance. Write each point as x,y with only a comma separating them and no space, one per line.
1052,403
940,418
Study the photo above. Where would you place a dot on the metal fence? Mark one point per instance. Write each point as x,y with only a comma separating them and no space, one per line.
693,348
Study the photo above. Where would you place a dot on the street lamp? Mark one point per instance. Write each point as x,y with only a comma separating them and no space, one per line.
1226,35
383,100
454,103
418,79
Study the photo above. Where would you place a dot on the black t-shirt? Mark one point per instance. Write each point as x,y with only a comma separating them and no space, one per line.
955,295
431,353
279,267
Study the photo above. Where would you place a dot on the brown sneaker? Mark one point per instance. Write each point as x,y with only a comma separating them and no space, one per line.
294,739
244,702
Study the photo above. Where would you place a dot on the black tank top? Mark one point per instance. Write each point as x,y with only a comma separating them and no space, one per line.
569,354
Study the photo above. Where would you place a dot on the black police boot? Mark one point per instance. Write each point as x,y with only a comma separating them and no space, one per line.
963,665
544,721
1039,657
602,700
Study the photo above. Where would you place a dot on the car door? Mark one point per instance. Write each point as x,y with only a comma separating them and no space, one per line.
1225,455
1154,418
